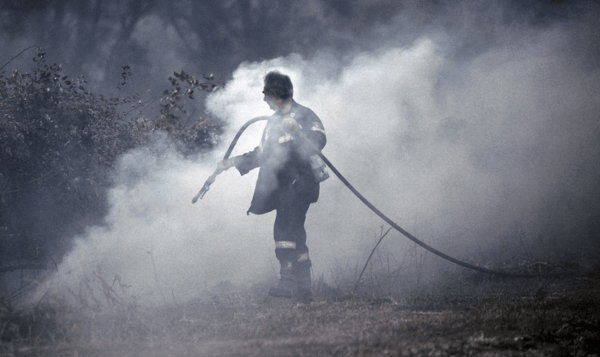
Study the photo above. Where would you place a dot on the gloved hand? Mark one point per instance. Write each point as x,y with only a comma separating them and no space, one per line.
224,165
289,124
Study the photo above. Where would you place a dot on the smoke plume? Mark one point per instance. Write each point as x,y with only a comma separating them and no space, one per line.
490,156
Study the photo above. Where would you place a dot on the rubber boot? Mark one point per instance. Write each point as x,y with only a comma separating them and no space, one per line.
303,291
287,282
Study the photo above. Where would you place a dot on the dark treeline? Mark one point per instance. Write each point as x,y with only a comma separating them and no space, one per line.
98,37
59,143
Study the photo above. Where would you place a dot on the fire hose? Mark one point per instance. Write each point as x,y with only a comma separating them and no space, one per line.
212,177
429,248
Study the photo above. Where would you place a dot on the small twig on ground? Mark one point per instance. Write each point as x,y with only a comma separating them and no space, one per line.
156,277
367,262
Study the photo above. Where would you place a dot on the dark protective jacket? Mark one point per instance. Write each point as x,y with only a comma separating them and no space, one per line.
285,172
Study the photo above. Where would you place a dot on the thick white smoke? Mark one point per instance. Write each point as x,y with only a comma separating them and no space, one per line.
469,157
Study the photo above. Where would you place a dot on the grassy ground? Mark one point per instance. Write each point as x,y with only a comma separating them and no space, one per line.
467,316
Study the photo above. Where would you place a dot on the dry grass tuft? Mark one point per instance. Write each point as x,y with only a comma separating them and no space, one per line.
467,316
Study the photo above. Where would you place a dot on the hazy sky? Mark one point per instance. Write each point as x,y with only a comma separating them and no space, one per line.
474,126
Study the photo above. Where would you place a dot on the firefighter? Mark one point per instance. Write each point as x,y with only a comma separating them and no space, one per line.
288,181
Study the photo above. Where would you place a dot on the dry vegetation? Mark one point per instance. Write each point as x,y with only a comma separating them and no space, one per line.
469,315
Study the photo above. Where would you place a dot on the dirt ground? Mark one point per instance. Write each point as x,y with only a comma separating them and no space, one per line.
551,317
